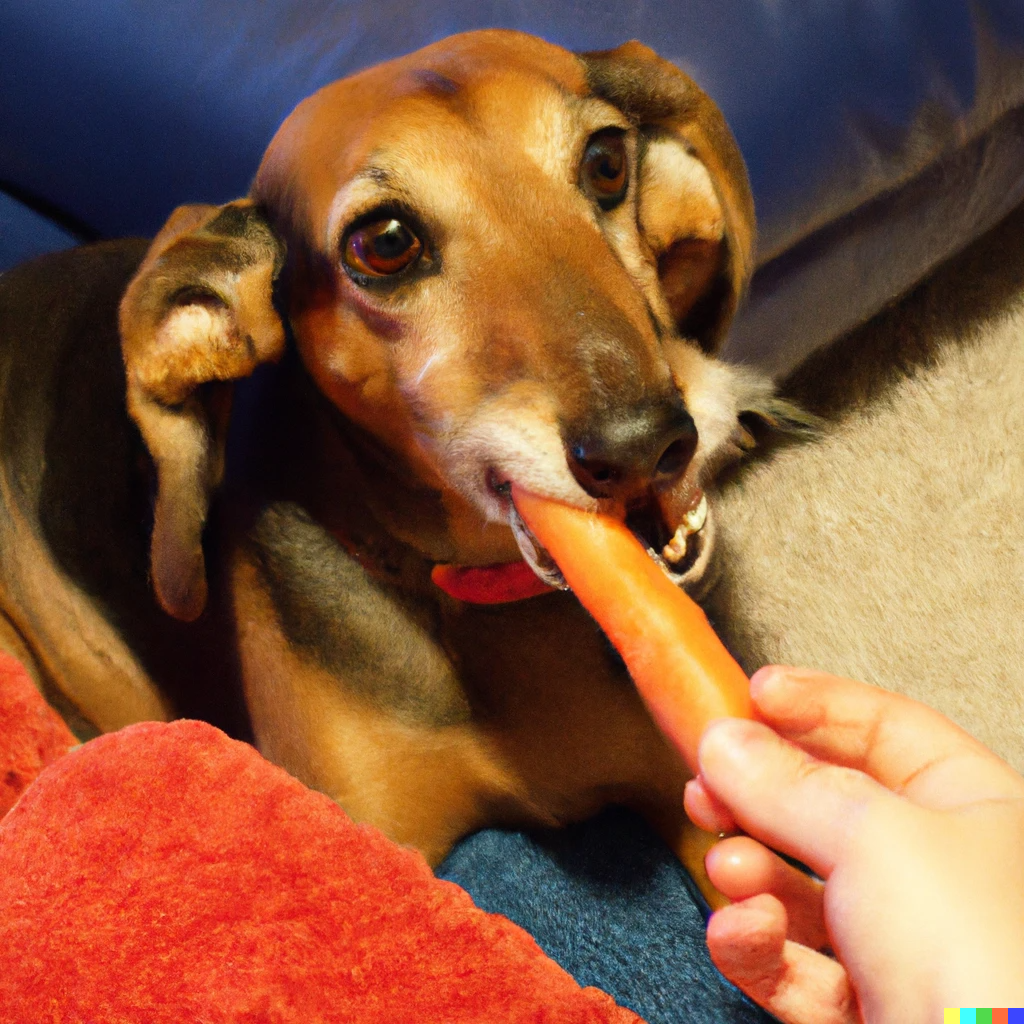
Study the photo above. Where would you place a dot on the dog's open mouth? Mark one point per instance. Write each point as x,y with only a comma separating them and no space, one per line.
676,553
676,548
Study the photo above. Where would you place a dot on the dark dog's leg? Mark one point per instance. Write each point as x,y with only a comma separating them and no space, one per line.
12,642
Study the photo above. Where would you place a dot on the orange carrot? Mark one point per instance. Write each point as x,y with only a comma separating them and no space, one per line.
681,669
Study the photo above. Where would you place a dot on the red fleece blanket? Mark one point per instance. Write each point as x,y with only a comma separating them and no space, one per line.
167,873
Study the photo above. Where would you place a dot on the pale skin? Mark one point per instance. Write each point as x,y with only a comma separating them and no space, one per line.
915,827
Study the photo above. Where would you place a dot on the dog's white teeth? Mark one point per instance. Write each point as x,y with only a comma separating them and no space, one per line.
535,556
675,550
693,521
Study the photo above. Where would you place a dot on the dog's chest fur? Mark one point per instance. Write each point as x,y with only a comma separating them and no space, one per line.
536,679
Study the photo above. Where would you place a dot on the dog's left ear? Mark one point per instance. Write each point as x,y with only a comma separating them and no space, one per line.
696,211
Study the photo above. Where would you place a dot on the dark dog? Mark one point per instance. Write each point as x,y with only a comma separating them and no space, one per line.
493,261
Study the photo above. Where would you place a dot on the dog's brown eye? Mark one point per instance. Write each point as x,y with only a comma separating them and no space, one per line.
604,173
382,248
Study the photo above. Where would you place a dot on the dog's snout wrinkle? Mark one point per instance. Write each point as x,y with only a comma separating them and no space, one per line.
629,451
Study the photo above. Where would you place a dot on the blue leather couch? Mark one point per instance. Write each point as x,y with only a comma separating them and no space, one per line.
880,136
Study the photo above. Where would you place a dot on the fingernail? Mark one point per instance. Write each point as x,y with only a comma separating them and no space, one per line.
729,740
773,683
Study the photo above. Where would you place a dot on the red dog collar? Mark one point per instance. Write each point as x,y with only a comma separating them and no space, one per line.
489,584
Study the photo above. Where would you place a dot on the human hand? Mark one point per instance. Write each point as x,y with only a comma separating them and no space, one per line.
915,827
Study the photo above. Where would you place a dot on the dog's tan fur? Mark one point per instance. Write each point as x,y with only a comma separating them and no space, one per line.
891,549
384,442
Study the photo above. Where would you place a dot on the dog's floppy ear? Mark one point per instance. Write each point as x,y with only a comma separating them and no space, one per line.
198,314
696,211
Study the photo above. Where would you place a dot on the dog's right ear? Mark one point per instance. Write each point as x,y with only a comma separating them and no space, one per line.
198,314
695,207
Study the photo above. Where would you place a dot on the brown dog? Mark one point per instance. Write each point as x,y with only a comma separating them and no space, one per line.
492,261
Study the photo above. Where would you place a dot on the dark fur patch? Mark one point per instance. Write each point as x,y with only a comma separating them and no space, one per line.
638,87
342,620
250,223
436,83
232,222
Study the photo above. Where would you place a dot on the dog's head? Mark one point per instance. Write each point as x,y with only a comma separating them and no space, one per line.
507,262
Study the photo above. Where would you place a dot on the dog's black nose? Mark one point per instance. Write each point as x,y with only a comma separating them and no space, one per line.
626,452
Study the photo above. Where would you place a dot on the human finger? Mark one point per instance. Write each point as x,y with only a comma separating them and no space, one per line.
909,748
781,795
740,867
747,942
705,810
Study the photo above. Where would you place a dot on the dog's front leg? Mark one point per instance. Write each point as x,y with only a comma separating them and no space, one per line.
354,696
